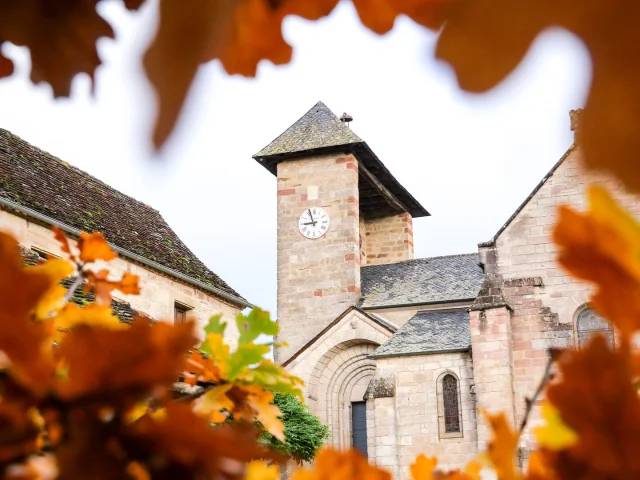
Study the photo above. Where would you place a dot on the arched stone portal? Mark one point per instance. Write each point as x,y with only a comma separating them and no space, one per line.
339,378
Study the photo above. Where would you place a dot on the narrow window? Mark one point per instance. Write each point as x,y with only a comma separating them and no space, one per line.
450,400
180,313
359,426
589,324
43,254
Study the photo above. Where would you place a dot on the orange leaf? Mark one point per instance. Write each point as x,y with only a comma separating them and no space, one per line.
602,246
181,438
485,40
213,402
240,33
63,241
332,464
25,342
135,359
94,247
56,269
92,314
61,37
259,470
598,401
502,447
423,468
102,287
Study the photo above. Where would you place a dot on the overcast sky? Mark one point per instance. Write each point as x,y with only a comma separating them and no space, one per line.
470,160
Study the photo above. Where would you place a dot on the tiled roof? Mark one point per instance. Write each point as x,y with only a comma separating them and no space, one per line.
123,310
419,281
37,180
318,128
429,332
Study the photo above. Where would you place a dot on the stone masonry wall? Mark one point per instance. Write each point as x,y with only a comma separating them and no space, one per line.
544,298
407,425
158,292
389,239
317,279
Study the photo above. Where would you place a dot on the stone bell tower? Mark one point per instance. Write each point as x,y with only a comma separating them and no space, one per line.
323,166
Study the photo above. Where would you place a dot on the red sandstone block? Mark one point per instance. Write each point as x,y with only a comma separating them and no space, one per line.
352,199
344,159
317,293
303,197
286,191
537,354
352,166
349,257
352,288
351,213
522,345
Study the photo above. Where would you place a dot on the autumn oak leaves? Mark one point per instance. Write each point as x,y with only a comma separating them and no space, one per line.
84,396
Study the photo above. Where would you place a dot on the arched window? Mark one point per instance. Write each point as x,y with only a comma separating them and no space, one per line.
588,324
451,407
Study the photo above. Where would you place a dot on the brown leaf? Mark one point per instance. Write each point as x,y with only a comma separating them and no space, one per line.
20,434
240,33
380,15
485,40
133,4
61,37
24,341
89,450
6,66
597,400
179,438
102,361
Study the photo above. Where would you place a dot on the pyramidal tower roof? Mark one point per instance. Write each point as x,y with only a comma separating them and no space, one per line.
320,131
318,128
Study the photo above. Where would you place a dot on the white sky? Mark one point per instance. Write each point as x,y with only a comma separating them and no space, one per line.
470,160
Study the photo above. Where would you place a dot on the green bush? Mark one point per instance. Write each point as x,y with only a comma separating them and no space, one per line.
304,432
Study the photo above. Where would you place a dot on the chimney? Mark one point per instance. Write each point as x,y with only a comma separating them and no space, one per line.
575,116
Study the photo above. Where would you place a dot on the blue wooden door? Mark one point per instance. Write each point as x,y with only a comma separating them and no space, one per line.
359,426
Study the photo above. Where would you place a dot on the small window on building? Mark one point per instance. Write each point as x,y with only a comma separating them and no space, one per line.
180,312
589,324
43,254
449,411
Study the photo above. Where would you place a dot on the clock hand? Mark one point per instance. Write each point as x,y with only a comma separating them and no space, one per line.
313,222
310,223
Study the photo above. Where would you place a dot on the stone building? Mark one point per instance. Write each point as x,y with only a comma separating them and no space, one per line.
38,191
400,354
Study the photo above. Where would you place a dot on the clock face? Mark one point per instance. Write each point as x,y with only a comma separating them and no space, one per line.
314,222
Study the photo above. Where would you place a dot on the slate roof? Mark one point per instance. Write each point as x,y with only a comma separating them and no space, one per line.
429,332
318,128
320,131
421,281
36,179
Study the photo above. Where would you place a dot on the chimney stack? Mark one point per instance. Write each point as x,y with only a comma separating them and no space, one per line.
575,116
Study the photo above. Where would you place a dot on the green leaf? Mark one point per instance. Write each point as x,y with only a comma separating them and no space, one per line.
257,323
214,326
246,355
275,378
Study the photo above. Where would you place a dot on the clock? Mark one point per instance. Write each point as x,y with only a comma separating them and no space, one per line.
314,222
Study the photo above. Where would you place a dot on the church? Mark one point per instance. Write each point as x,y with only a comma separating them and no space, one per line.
401,354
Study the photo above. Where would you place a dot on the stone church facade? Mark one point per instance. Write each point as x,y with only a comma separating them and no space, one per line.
400,354
38,191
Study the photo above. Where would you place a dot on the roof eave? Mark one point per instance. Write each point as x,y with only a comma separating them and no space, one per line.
363,152
422,352
239,301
